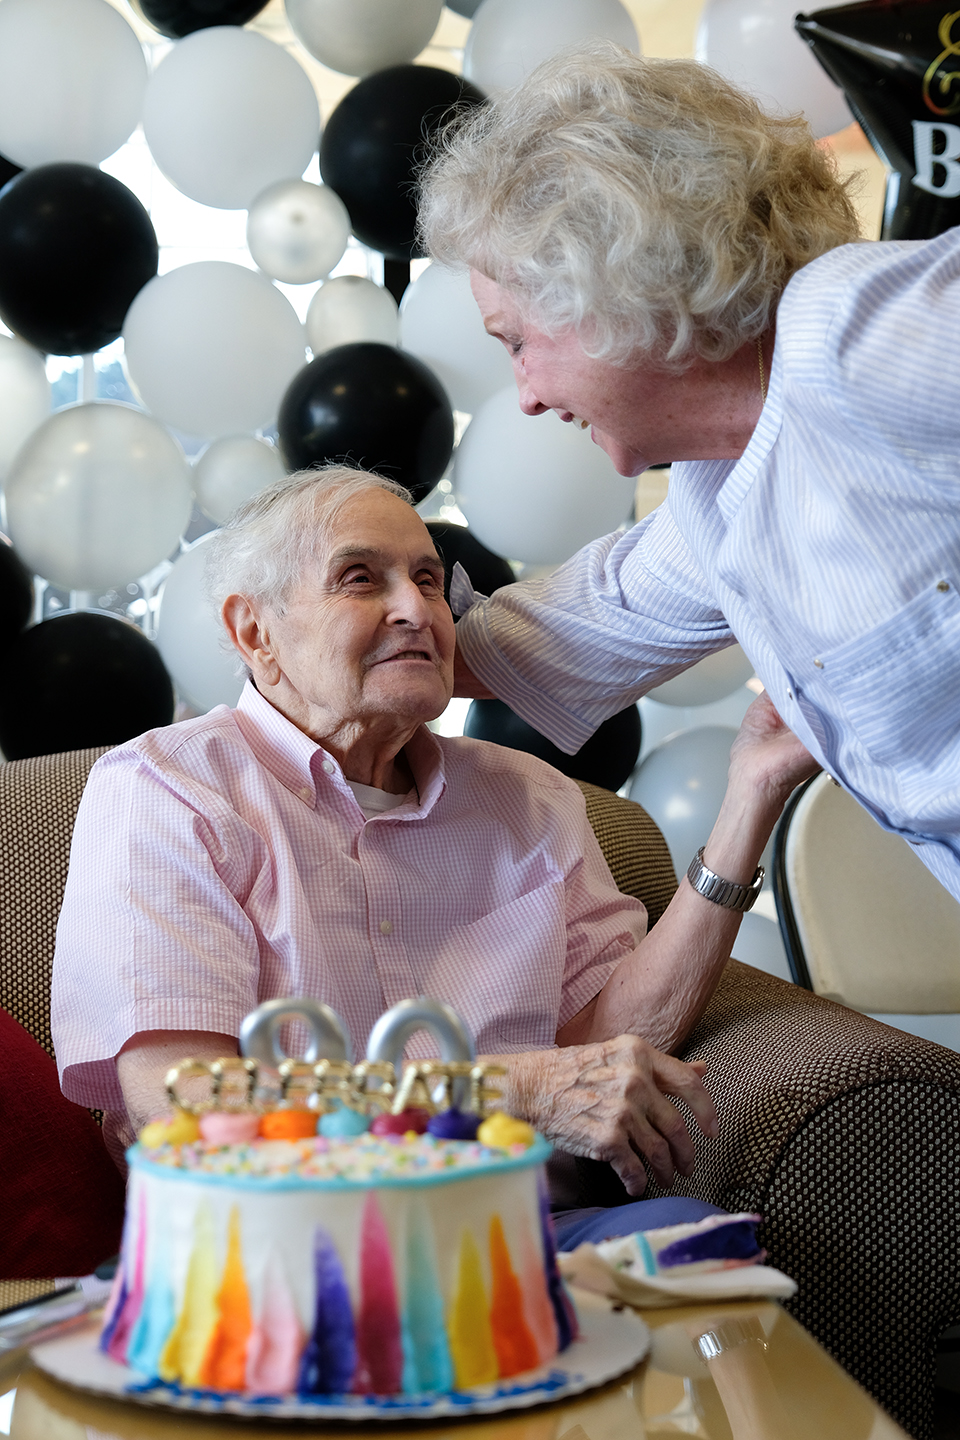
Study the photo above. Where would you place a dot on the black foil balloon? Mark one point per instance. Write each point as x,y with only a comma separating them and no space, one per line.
607,759
75,248
81,680
899,66
16,590
375,139
368,405
177,18
455,543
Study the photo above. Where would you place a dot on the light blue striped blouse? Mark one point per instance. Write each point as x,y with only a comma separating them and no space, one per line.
830,550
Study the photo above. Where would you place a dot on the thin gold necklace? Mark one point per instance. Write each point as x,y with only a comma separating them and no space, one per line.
763,378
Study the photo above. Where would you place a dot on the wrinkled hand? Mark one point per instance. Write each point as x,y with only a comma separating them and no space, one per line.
608,1101
766,754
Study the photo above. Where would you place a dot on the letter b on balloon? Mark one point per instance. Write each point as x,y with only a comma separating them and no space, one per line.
938,172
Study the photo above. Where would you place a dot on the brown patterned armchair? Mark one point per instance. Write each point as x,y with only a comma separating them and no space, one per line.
842,1132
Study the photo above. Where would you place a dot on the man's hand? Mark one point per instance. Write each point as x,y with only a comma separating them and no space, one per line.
609,1100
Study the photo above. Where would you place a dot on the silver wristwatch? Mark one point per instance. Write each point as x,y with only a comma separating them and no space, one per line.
723,892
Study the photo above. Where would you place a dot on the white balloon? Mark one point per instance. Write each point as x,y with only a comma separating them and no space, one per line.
297,232
97,496
231,470
535,489
441,324
357,37
24,397
211,348
72,81
709,680
227,113
753,43
188,636
681,785
508,38
350,309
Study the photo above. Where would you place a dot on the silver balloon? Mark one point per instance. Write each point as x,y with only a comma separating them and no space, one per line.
297,232
681,785
709,680
357,37
99,495
231,470
189,637
24,397
349,309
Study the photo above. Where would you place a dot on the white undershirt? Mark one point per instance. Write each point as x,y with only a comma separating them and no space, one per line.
374,802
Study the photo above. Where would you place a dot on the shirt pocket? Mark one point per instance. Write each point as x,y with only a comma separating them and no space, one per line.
899,684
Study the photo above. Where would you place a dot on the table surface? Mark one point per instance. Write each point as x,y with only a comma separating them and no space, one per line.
781,1387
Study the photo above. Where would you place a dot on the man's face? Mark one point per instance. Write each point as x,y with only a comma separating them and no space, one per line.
632,411
367,639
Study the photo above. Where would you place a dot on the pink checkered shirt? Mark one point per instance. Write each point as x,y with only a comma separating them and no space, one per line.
225,861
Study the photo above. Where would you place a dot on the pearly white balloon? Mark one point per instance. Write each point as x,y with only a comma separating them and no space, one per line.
188,636
211,348
681,786
508,38
441,325
72,81
297,232
753,43
227,113
99,495
349,309
24,397
709,680
535,489
231,470
357,37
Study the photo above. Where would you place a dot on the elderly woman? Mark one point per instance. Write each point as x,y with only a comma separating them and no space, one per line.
669,265
319,841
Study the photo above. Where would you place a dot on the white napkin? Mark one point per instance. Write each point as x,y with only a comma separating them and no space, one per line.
587,1268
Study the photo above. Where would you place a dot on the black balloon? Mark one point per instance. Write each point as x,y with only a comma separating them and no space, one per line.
372,406
81,680
455,543
607,759
177,18
75,248
8,170
16,590
899,66
374,141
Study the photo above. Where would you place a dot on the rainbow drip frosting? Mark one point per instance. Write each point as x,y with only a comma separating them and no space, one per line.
283,1272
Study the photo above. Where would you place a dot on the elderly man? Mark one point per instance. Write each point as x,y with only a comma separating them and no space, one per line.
318,840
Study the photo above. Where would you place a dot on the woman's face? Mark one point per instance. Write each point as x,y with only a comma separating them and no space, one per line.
633,413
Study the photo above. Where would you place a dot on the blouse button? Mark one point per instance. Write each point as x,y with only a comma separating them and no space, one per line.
819,663
328,767
943,585
386,927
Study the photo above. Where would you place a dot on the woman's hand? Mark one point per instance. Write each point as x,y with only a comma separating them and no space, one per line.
767,758
608,1101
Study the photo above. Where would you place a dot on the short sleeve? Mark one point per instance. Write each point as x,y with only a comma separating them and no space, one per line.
152,933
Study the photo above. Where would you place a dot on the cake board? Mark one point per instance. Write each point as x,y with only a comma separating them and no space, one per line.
611,1342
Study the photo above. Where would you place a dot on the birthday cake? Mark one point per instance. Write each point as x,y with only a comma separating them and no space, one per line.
335,1264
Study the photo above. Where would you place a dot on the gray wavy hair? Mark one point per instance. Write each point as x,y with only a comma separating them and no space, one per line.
271,542
647,204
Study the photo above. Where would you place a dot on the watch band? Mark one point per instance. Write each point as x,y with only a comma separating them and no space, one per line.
723,892
728,1336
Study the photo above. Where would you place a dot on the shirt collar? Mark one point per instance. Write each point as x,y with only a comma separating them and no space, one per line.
305,768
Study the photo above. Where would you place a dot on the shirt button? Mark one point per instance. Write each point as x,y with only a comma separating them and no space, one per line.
306,793
789,694
819,663
328,767
943,585
386,927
